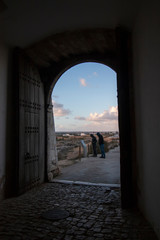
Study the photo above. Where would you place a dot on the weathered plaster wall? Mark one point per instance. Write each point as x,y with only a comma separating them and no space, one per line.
4,57
52,157
146,53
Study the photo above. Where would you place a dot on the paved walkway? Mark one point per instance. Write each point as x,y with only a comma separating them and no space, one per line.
94,169
94,210
94,214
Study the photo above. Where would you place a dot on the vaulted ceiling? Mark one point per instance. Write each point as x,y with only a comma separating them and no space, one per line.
50,31
72,43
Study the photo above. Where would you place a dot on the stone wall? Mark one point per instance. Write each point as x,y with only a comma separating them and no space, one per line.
146,51
52,156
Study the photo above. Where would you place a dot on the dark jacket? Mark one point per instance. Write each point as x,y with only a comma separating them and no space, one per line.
94,140
101,140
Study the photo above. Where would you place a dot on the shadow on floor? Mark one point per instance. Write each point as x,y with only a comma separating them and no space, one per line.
94,213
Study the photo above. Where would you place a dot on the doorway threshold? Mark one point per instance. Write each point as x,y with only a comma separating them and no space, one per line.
86,183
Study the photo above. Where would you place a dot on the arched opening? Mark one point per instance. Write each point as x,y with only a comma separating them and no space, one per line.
85,102
119,65
113,51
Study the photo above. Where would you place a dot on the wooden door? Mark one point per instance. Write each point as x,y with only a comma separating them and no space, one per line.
30,171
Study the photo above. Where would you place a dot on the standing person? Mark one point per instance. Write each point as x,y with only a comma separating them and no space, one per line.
101,144
94,142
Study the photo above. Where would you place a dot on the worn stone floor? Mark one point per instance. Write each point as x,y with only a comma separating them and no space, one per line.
95,169
94,214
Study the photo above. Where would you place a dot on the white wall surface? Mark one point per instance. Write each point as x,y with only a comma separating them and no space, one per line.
3,112
146,51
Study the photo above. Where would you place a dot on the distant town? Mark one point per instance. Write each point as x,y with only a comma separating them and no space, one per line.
83,133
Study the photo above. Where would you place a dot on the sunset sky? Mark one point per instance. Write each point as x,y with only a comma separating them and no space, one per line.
85,99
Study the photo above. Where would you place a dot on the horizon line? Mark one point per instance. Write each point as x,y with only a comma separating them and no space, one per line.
86,131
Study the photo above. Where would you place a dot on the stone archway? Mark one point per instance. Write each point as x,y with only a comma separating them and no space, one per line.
56,54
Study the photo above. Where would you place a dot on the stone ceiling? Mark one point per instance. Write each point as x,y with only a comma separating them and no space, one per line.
62,46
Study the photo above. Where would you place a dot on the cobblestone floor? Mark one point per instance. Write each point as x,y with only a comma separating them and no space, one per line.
94,214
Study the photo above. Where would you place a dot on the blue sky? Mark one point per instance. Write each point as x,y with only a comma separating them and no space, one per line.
85,99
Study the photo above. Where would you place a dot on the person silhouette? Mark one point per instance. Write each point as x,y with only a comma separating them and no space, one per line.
101,144
94,143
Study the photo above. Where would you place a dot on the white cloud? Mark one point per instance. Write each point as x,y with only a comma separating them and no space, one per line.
83,82
80,118
105,121
59,110
95,74
92,126
107,115
101,126
60,127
